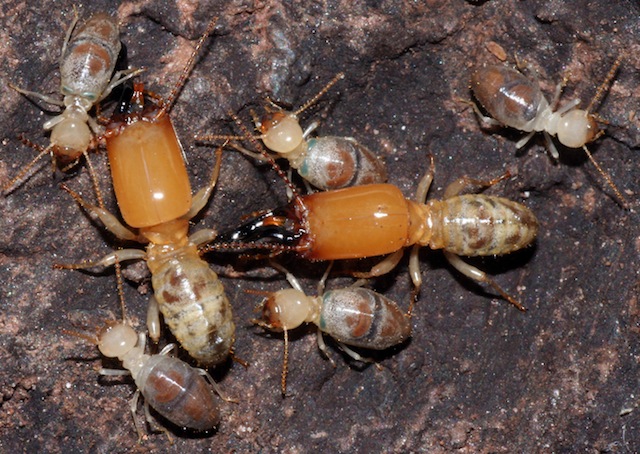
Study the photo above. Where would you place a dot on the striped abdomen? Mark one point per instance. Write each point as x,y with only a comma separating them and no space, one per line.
479,225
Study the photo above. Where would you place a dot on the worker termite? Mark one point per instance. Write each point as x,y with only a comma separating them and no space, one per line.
353,316
87,62
177,391
329,162
516,101
371,220
154,195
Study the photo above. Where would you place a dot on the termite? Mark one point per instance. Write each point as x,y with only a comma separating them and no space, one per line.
353,316
372,220
177,391
153,192
516,101
328,162
87,64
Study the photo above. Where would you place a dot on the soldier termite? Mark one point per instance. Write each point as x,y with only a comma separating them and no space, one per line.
177,391
87,62
328,162
353,316
516,101
371,220
154,195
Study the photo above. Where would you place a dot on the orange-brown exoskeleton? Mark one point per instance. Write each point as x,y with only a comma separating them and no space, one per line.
328,162
153,192
353,316
177,391
87,62
514,100
371,220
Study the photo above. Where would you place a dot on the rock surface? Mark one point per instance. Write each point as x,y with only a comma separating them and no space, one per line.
477,376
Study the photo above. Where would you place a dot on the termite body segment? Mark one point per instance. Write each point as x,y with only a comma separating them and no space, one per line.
513,100
371,220
384,221
87,63
353,316
186,291
148,159
516,101
147,164
154,194
174,389
328,162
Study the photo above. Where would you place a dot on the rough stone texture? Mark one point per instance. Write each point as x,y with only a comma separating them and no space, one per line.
477,376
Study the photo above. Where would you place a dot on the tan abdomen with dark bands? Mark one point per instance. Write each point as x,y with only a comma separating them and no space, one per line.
479,225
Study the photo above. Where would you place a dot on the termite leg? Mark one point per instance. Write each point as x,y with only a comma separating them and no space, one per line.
120,255
553,150
323,348
151,421
153,320
45,98
567,107
522,142
459,185
215,386
67,37
118,78
201,198
133,406
353,354
425,181
109,221
203,236
385,266
480,276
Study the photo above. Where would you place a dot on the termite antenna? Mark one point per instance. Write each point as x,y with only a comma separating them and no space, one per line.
92,339
94,180
267,156
166,107
119,286
273,248
285,364
621,199
605,83
13,183
320,94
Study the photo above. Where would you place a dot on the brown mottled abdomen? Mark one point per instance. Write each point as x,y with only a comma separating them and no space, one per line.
363,318
480,225
90,57
179,393
507,95
195,307
339,162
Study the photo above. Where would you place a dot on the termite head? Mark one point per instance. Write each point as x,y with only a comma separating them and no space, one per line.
577,128
71,137
285,309
116,339
281,132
